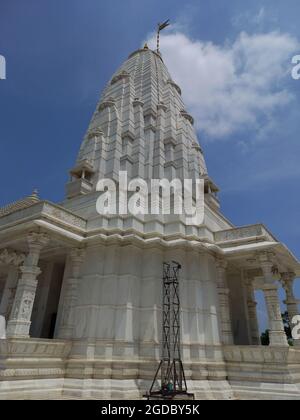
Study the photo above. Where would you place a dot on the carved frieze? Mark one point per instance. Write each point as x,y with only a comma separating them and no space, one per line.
64,216
9,257
121,76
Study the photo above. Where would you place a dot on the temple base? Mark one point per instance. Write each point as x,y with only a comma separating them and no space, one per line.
48,369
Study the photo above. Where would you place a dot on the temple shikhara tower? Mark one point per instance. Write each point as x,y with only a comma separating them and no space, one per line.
81,292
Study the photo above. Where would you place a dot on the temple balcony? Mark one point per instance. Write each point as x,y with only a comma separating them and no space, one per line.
77,187
80,182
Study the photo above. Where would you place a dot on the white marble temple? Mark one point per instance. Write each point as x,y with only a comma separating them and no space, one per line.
81,293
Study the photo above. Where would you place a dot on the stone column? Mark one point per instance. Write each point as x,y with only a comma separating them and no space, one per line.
67,323
224,304
9,291
13,260
291,302
270,289
252,313
20,317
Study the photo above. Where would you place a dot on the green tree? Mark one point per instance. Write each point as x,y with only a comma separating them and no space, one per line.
287,327
265,336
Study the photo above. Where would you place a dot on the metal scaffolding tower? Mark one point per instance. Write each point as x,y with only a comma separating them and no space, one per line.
170,369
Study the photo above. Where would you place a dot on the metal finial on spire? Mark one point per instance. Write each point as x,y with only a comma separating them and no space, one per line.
160,27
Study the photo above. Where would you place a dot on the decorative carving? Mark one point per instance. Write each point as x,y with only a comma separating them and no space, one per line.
239,233
77,254
22,348
221,264
26,305
162,106
38,239
126,158
64,216
70,299
197,147
224,305
172,83
277,333
108,103
96,132
16,309
11,298
287,280
121,76
8,257
19,321
259,354
267,257
128,136
187,116
66,313
137,102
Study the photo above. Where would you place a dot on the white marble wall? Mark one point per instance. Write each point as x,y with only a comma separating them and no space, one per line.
120,296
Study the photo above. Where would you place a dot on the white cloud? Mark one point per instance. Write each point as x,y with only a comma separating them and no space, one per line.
235,87
257,20
260,17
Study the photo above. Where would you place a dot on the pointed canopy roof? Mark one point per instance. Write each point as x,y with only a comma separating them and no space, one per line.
20,204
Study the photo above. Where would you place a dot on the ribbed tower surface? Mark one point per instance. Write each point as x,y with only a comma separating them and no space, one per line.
141,125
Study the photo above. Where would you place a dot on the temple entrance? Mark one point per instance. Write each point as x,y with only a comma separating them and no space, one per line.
262,316
45,308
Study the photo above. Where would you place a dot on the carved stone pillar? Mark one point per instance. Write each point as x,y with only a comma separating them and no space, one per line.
224,304
20,317
270,288
9,292
71,294
291,302
252,313
13,260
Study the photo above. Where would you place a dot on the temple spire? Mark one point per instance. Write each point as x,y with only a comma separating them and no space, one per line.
140,126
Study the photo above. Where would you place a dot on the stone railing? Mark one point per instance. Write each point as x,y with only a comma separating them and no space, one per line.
263,365
44,209
261,354
34,348
26,361
253,232
261,372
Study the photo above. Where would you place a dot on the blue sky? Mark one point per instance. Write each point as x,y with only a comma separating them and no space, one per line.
60,54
